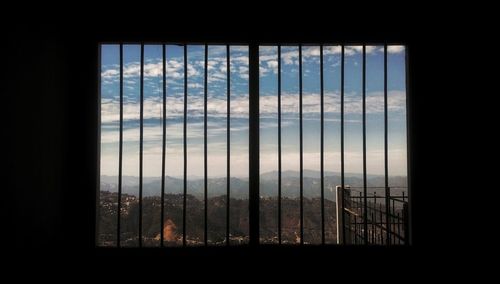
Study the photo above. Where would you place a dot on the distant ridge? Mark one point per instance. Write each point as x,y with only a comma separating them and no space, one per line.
239,186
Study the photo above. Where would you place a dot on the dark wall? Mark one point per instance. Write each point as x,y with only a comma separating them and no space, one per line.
51,130
52,116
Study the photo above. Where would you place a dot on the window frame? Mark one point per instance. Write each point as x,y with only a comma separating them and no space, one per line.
254,119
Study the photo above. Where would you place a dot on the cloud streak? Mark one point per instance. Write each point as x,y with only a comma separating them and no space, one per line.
216,106
239,162
216,68
269,57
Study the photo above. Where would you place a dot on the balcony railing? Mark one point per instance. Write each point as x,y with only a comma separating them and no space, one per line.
375,219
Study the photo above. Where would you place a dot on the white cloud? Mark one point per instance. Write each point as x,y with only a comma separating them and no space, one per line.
310,51
372,49
239,59
175,69
215,128
216,106
352,104
217,63
269,54
351,50
273,66
110,111
110,73
395,48
289,57
195,85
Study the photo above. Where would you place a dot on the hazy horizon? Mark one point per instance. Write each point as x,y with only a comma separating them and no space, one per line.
326,173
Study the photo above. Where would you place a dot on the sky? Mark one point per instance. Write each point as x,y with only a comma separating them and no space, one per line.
217,109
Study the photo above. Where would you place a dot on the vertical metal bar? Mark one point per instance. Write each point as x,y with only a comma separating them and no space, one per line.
344,224
399,228
228,139
301,151
381,238
382,227
322,142
373,226
393,210
406,224
386,165
279,144
342,181
394,229
355,229
374,217
98,158
359,201
408,143
185,150
164,143
365,191
141,140
254,147
205,168
362,206
120,155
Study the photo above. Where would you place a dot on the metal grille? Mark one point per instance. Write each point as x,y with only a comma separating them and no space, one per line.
366,223
365,218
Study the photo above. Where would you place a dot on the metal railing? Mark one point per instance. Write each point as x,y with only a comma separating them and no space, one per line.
370,222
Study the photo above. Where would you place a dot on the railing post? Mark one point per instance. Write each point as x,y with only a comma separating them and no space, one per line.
406,224
341,196
340,211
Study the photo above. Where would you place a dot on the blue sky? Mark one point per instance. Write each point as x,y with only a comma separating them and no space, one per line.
239,109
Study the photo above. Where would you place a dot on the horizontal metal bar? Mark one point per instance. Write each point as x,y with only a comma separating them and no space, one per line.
261,43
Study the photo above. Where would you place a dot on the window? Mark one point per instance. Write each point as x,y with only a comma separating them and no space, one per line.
196,149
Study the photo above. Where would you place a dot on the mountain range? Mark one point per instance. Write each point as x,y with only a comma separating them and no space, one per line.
239,186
